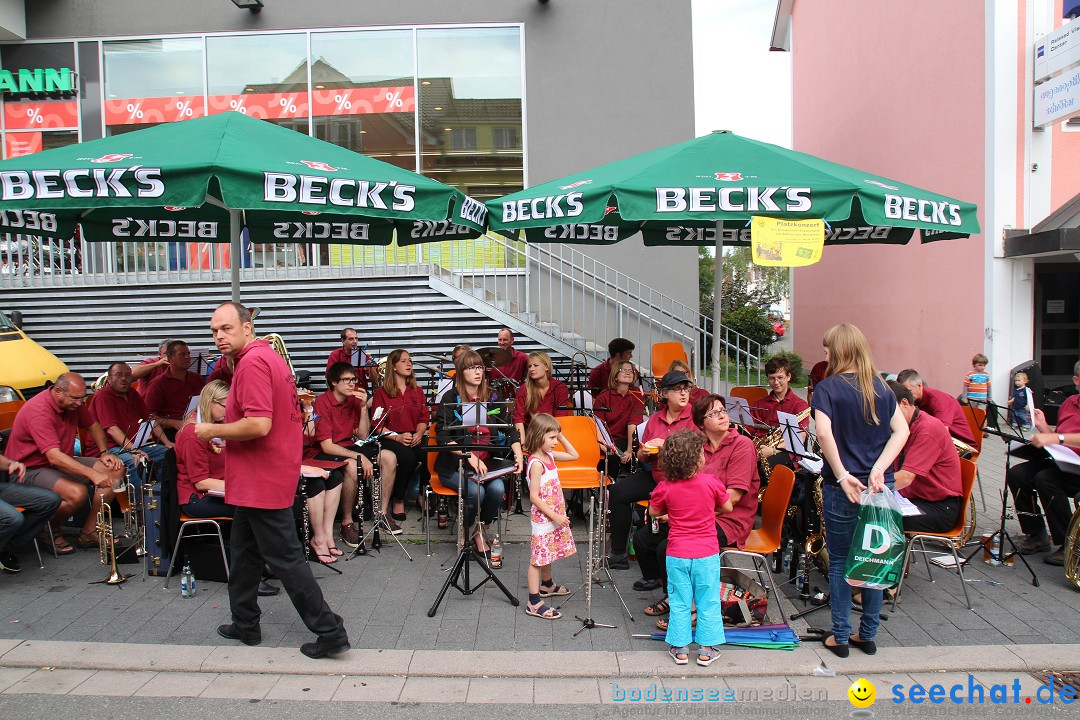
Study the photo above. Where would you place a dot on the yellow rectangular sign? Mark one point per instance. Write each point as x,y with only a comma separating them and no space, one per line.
775,242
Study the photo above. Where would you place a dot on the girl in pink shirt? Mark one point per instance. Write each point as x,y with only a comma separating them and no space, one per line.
691,499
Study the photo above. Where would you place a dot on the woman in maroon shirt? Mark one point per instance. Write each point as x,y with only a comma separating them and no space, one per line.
621,408
200,464
541,393
405,419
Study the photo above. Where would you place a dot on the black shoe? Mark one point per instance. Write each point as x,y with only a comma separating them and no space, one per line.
232,632
323,647
1031,544
867,646
9,563
837,650
399,516
619,562
1055,558
268,590
646,585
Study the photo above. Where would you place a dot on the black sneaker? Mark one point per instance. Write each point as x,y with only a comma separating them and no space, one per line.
618,562
1031,544
9,563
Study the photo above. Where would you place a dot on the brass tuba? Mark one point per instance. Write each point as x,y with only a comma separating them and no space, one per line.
278,344
1072,551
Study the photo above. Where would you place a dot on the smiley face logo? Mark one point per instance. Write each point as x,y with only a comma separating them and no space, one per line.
862,693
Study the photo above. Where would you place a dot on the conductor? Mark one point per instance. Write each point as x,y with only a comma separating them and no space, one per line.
262,469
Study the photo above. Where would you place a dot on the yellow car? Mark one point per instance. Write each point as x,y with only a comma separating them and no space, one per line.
25,367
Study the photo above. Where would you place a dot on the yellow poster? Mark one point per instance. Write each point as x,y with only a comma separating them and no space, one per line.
786,243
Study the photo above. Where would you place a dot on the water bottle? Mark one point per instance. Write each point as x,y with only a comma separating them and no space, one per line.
789,552
187,581
800,579
496,553
442,515
995,550
630,548
654,525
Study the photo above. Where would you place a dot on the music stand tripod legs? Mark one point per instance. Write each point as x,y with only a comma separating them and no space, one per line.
1002,534
467,554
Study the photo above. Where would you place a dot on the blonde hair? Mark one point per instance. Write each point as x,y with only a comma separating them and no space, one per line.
213,392
532,390
539,426
849,351
680,365
390,382
613,376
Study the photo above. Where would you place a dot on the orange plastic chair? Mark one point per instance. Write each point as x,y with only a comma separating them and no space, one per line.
435,487
749,393
766,539
581,474
8,411
663,354
951,539
976,420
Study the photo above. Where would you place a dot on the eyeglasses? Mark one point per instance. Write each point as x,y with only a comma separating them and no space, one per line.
479,368
78,399
626,370
715,414
350,380
680,389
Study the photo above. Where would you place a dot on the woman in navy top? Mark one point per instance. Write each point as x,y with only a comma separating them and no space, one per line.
861,431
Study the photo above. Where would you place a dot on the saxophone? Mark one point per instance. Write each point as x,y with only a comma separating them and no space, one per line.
772,440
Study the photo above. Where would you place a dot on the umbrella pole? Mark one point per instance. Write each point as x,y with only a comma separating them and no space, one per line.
718,292
235,253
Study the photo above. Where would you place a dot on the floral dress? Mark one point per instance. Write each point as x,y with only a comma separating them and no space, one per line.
549,541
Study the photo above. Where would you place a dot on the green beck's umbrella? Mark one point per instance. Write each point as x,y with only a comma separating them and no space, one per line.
180,181
719,182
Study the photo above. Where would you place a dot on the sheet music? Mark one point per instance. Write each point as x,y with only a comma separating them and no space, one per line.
201,363
474,413
1029,404
354,359
216,493
142,436
444,386
497,472
605,436
1067,460
193,405
907,508
739,411
793,438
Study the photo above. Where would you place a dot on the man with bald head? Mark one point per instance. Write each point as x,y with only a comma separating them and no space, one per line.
43,439
264,442
121,411
941,405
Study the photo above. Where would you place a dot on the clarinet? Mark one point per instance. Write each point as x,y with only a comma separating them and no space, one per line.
376,498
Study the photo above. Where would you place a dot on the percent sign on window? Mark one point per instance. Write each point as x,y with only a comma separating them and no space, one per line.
35,116
134,111
183,109
393,101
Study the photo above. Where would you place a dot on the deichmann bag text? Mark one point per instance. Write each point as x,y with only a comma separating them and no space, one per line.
877,548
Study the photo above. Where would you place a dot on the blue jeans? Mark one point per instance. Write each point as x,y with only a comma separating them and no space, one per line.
135,473
490,497
841,516
18,529
694,580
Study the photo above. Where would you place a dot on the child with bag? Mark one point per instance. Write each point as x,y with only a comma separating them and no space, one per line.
691,500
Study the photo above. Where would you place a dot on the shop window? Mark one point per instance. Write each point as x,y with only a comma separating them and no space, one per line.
263,76
463,138
148,82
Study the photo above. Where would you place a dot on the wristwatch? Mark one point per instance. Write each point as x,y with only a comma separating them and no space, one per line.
1061,438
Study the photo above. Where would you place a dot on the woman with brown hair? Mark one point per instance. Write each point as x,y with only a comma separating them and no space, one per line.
406,420
861,431
540,393
621,408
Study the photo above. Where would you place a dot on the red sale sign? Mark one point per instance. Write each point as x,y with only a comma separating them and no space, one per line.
41,115
363,101
17,144
140,111
264,106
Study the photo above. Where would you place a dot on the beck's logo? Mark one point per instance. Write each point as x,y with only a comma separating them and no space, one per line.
881,184
317,165
175,208
728,176
111,158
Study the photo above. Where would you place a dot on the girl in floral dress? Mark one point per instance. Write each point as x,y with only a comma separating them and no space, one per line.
551,536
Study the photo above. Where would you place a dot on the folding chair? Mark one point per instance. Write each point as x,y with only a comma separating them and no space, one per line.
665,353
976,419
766,539
750,393
187,521
951,539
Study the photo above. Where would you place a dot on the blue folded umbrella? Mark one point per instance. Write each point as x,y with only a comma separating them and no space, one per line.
769,637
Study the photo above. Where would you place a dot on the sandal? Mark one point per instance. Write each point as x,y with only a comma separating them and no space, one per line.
335,552
552,590
658,608
542,611
86,541
706,656
323,558
662,623
675,652
62,546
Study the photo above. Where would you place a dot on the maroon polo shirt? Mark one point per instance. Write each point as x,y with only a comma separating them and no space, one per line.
817,373
599,377
1069,418
337,420
195,462
515,370
41,426
556,402
624,410
126,412
734,462
221,372
264,472
946,409
342,355
403,413
931,455
146,380
764,411
659,427
169,397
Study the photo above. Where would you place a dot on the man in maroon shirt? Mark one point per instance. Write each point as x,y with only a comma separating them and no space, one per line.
1054,486
779,399
928,470
817,374
262,470
351,353
171,392
515,368
942,406
151,368
120,412
43,439
619,350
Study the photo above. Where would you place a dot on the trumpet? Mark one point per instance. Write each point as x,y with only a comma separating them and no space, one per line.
107,543
1072,551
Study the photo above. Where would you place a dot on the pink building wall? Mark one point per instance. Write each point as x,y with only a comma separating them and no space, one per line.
895,89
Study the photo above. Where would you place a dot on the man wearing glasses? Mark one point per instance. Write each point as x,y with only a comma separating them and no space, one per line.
675,388
43,439
779,399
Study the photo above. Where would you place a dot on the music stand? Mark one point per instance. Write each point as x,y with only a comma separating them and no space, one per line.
467,553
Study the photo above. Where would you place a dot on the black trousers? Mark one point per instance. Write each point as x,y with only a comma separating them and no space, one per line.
651,551
1056,490
937,517
269,536
408,459
621,497
1021,480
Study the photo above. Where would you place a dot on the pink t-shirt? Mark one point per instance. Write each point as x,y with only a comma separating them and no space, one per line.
264,472
691,507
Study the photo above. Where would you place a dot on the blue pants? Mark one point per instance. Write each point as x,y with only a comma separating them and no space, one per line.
694,581
490,496
841,516
18,529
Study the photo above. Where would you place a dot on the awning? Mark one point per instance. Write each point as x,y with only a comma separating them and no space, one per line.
1059,241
